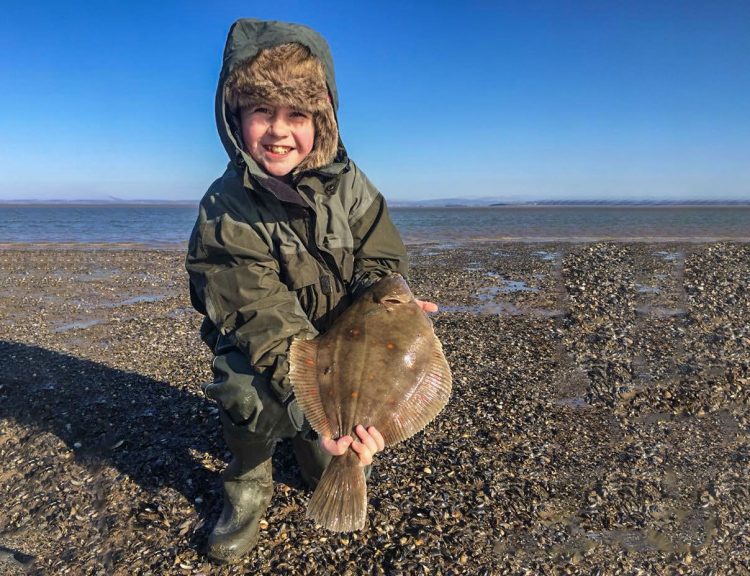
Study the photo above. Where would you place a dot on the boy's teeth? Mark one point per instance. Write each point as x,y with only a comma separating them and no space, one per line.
279,149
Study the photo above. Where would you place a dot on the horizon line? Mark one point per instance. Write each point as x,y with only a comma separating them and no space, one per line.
436,203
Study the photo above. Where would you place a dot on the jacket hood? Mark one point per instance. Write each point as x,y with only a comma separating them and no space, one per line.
246,38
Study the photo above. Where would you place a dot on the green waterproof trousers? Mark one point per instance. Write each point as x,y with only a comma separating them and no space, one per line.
254,420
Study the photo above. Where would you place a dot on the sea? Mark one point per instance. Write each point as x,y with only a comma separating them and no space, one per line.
169,225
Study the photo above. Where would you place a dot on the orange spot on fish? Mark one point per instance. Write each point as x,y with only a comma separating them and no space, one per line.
309,361
355,394
354,332
390,345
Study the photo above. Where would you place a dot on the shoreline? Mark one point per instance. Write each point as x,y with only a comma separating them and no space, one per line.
446,243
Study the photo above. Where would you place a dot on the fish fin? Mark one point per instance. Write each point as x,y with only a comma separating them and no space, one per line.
303,363
339,503
430,396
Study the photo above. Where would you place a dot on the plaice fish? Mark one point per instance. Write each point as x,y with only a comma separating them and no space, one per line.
381,365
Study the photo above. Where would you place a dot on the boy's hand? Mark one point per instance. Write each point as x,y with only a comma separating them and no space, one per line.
427,306
370,443
335,447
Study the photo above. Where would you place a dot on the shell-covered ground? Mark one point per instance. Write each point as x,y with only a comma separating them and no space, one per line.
599,422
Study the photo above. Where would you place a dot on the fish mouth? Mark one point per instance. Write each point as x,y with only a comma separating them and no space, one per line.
391,300
391,290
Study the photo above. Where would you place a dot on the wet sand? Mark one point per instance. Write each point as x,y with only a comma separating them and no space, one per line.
599,422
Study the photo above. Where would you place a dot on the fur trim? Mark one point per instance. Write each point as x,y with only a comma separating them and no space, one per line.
288,75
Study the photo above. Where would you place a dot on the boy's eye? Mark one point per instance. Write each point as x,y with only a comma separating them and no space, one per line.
260,110
298,114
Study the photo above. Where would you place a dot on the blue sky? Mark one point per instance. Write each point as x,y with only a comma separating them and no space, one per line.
510,100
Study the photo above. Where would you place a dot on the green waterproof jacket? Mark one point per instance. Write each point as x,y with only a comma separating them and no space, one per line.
269,261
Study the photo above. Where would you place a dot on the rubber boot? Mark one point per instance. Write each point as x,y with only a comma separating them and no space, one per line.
248,488
312,460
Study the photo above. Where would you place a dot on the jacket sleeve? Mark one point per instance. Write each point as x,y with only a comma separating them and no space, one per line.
234,278
378,249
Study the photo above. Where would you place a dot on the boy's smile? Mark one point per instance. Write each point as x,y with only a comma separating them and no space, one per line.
277,137
278,149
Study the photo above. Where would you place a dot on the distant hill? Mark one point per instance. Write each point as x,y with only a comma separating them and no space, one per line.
489,202
448,202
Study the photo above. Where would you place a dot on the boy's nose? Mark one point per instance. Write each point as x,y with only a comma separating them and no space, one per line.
278,126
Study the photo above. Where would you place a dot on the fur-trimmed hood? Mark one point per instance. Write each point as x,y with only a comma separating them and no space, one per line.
247,37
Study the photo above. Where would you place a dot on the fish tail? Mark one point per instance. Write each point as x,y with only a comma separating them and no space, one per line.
339,503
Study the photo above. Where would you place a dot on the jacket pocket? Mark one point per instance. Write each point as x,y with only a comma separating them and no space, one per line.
301,274
298,270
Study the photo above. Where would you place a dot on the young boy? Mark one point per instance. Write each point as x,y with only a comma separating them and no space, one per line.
285,239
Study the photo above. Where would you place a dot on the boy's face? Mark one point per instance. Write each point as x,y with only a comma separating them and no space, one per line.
278,138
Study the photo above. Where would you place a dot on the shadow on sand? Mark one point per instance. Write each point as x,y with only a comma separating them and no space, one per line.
146,429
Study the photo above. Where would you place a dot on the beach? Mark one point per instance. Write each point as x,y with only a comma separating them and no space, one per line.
599,421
